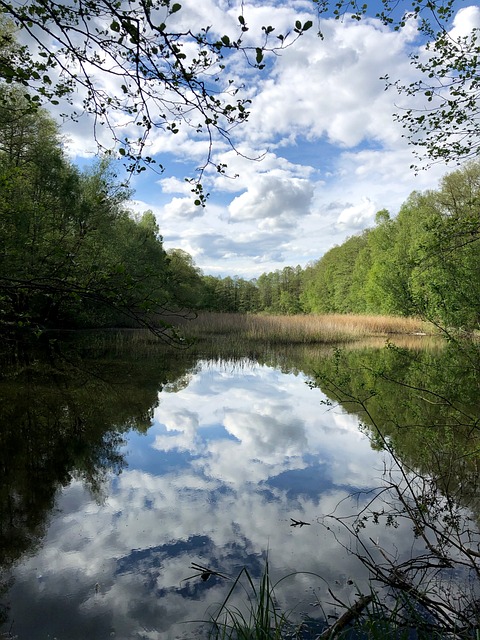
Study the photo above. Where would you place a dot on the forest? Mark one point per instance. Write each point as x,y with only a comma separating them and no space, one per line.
73,255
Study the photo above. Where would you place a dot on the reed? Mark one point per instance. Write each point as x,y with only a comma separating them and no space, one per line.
262,619
369,618
299,329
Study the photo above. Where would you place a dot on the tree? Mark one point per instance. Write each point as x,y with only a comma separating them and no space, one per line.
445,279
327,284
71,253
164,71
185,282
382,289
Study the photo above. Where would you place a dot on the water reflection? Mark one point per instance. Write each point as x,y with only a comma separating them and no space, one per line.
127,471
233,453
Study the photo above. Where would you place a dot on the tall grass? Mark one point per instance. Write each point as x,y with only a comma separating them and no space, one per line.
262,618
367,619
299,329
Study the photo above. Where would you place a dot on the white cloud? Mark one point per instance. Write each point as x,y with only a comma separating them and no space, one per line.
174,185
181,208
332,87
465,20
273,202
322,121
357,216
224,454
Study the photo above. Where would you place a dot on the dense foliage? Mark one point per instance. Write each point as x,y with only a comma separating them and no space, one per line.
71,253
422,262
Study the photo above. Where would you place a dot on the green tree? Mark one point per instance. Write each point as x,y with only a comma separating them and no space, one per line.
265,291
360,271
446,278
317,295
70,252
327,284
383,282
185,279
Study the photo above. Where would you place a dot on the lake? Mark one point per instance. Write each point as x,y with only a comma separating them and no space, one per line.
139,483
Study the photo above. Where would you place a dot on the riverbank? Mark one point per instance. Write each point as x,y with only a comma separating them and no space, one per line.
301,329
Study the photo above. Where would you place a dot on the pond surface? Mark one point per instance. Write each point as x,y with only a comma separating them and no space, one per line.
122,471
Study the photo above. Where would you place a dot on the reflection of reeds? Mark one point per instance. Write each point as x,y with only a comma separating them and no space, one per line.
300,329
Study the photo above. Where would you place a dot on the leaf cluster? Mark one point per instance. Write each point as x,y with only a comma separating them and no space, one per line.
162,72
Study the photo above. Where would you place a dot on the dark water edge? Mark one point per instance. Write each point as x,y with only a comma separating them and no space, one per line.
74,411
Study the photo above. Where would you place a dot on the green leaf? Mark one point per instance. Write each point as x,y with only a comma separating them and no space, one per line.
176,7
259,55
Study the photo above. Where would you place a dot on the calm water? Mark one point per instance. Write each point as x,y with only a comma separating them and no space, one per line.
206,462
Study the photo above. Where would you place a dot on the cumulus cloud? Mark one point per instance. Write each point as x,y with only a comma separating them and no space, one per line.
275,203
322,123
181,208
126,564
465,20
332,87
357,216
174,185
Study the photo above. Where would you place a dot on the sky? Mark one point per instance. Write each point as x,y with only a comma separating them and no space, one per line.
322,122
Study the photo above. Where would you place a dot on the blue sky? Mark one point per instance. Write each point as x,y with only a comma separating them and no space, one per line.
320,115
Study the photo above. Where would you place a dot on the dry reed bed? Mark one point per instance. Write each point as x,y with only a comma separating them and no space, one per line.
303,329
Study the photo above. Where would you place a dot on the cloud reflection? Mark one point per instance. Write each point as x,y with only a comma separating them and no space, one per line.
229,460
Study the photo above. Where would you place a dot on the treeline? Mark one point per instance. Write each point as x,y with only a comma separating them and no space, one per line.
425,261
71,253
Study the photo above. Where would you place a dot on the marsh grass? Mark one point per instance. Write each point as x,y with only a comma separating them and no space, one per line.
261,618
299,329
244,334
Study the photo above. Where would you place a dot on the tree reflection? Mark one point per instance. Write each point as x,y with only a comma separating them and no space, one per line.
64,409
422,408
